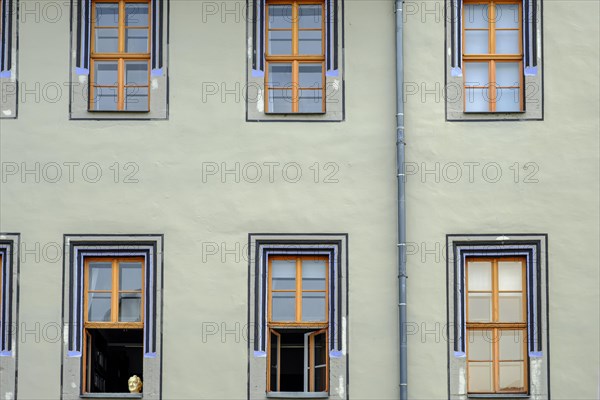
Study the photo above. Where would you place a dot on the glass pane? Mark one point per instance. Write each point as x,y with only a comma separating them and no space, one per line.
106,73
136,14
507,42
280,101
130,276
105,99
477,100
280,16
476,42
274,361
310,16
99,307
507,74
311,101
476,16
480,307
100,276
313,274
280,42
283,274
107,14
136,40
130,307
280,75
320,358
480,345
511,345
510,275
313,306
136,99
136,73
107,40
477,74
310,75
511,376
480,377
309,42
480,275
284,306
510,307
507,15
508,100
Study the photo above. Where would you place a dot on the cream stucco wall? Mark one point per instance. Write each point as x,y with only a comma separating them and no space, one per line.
194,212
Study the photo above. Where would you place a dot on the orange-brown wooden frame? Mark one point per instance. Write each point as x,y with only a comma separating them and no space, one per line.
492,58
121,56
496,327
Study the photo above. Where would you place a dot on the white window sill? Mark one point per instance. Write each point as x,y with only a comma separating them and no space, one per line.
297,395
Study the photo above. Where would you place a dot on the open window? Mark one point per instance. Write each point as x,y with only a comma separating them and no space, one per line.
8,59
9,328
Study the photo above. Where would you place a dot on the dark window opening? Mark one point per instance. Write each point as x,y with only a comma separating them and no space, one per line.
112,356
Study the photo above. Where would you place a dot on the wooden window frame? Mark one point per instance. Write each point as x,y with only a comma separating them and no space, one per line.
114,322
295,59
496,327
121,57
276,327
492,58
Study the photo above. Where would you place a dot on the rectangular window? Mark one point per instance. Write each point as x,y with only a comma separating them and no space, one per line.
119,47
113,314
8,59
9,328
496,308
294,68
495,63
298,293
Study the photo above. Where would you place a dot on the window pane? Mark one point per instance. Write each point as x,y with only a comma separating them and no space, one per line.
508,100
274,361
507,74
480,376
313,274
507,15
477,74
99,307
107,14
280,75
105,99
313,306
320,357
280,16
106,73
311,101
476,42
136,73
507,42
100,276
511,344
309,42
130,307
130,276
283,274
280,101
511,376
480,275
136,41
136,99
510,307
107,40
510,275
136,14
476,16
480,345
477,100
480,307
310,75
310,16
284,306
280,42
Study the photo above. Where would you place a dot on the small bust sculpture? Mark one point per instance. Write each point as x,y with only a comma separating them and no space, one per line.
135,384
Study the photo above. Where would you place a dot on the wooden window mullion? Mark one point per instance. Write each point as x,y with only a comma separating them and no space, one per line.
115,291
492,64
298,289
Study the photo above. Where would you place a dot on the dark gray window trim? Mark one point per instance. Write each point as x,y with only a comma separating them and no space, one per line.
9,59
10,244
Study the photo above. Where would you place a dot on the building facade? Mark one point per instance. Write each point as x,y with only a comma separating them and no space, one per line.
204,194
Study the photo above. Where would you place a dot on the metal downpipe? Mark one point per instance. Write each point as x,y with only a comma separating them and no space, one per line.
401,200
